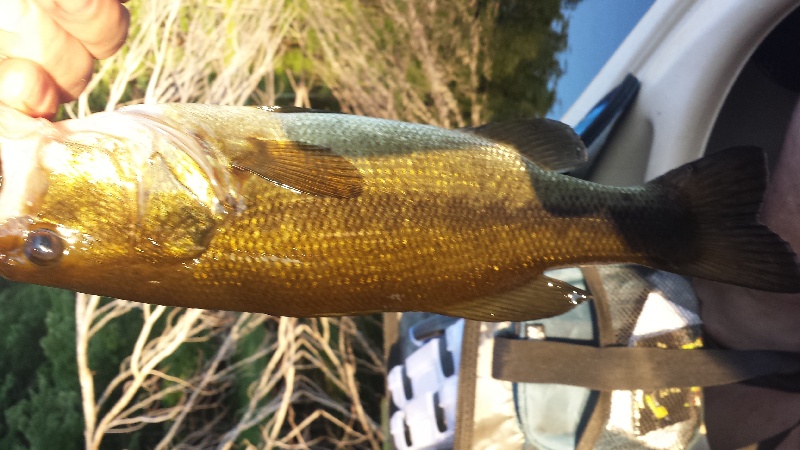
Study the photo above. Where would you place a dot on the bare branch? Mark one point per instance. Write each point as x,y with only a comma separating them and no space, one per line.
306,391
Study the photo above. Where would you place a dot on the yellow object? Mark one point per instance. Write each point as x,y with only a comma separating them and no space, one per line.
658,410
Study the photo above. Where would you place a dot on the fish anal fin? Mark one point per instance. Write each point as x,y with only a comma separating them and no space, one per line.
302,167
549,144
541,298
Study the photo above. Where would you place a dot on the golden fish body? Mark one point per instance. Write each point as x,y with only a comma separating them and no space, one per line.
307,214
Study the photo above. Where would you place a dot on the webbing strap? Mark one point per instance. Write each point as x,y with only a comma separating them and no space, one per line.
629,368
467,379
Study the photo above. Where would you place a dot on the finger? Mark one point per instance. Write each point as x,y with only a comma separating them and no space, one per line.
38,38
71,68
100,25
26,87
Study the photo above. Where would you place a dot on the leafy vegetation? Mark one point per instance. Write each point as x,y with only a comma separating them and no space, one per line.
39,395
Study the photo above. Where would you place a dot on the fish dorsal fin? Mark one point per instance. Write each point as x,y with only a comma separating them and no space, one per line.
543,297
293,109
302,167
549,144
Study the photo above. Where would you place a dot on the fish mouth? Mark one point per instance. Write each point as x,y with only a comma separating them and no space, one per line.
7,242
12,234
22,181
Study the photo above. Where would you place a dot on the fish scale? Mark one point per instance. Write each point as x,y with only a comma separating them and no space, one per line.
301,213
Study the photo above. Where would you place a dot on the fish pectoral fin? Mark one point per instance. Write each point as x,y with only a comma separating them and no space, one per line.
303,167
543,297
549,144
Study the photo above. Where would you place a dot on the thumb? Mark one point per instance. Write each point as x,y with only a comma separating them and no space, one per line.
28,88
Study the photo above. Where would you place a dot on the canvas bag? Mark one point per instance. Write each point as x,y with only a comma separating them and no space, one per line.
621,373
630,376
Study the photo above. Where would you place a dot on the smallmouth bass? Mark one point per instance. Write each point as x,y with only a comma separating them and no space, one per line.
300,213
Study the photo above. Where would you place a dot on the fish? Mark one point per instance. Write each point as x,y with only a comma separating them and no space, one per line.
304,213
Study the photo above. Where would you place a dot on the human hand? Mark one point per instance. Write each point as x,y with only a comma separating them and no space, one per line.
48,47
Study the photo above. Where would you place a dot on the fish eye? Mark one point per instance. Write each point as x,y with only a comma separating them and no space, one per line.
43,247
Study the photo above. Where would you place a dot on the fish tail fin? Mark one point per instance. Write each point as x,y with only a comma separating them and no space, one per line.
724,191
